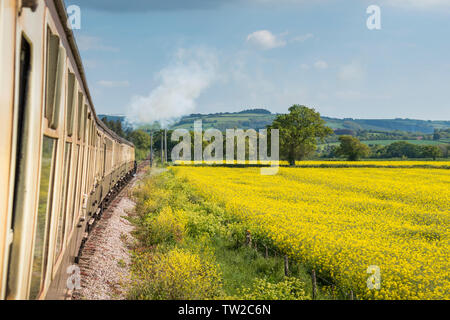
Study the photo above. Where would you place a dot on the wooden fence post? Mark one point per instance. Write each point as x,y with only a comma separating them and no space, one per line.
286,266
248,239
267,252
314,284
351,295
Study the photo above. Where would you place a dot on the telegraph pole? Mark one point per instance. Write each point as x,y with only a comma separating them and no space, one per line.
165,140
151,148
162,148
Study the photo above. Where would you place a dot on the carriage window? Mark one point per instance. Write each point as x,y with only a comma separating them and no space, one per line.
84,123
80,114
104,159
89,130
81,179
70,102
63,203
89,127
59,84
93,134
43,217
74,191
25,69
55,70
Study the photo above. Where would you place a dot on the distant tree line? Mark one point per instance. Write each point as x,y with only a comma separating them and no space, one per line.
301,130
116,126
403,149
441,134
255,111
353,149
368,135
139,138
247,111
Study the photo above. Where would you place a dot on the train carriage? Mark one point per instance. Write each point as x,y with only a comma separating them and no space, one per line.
59,163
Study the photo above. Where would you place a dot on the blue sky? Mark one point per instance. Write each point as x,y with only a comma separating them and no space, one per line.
154,60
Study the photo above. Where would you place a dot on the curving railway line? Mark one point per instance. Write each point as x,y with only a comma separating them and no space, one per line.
60,165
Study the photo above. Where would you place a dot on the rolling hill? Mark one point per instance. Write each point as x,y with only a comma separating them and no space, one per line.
260,118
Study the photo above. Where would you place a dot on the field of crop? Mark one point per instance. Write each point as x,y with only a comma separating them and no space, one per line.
334,164
340,221
376,163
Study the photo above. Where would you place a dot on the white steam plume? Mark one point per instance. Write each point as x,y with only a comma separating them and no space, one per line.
182,82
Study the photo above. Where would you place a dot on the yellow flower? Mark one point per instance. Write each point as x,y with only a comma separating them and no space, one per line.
343,220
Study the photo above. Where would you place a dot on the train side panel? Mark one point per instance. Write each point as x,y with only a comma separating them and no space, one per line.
7,76
61,164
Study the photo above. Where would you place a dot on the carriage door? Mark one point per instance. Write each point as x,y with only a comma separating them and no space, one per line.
21,145
23,155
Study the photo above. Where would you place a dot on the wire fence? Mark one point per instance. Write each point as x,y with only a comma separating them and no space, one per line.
317,281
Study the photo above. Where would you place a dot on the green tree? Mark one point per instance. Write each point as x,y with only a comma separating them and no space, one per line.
431,152
300,130
105,121
402,149
140,139
436,136
352,148
115,126
119,129
445,149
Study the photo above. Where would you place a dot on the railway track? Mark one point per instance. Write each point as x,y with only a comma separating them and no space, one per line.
106,255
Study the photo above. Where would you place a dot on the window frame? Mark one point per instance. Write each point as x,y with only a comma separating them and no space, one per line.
48,215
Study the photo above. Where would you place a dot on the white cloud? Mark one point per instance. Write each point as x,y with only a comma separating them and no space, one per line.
181,84
304,66
321,65
89,43
302,38
113,84
265,40
351,72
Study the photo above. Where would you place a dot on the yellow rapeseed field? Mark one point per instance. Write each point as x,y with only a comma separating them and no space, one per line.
331,163
340,221
377,163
